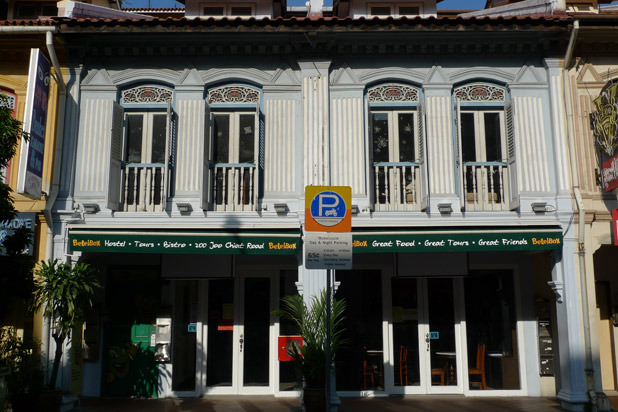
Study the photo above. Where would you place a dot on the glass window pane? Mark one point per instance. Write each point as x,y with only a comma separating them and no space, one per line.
379,128
362,290
242,11
405,332
159,126
381,11
408,11
493,144
406,137
442,332
213,11
289,375
221,136
491,330
135,128
468,136
256,337
219,351
246,136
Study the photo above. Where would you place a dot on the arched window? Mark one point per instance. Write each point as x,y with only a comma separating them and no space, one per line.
148,146
395,132
235,142
482,144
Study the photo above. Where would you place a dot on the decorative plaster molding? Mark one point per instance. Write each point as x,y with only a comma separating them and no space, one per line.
476,73
15,85
243,75
344,75
167,76
528,74
190,77
98,77
392,74
437,75
558,287
284,77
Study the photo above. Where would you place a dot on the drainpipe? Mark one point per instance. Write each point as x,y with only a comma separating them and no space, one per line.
55,178
581,231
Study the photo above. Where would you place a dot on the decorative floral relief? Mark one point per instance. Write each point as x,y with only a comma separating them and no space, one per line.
233,94
392,93
147,95
7,101
480,93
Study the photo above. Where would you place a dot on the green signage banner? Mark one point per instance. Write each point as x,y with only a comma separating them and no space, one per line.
282,243
245,243
453,241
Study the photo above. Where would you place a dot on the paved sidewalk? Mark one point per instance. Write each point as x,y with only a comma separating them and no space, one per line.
272,404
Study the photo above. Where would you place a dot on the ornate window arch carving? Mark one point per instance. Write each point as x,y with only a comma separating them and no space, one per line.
8,100
392,93
233,95
480,93
147,95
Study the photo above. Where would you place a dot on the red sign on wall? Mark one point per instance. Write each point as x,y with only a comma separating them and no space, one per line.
288,345
610,174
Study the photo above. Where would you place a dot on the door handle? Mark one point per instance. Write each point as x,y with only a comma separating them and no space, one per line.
427,340
241,341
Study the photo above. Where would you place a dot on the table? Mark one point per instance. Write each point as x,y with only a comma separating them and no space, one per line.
449,356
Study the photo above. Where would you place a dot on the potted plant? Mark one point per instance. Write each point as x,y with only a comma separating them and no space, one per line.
64,292
311,358
25,378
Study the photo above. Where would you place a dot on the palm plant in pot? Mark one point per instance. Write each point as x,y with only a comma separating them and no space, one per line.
64,292
311,321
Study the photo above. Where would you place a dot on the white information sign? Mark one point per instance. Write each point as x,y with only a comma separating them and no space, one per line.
328,250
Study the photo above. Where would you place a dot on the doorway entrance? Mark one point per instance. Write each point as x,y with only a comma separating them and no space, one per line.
426,335
240,335
454,335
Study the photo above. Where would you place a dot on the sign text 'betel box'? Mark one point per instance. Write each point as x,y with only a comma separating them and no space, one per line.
328,208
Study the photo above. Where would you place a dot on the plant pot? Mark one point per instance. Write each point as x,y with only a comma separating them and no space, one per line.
314,399
44,401
48,400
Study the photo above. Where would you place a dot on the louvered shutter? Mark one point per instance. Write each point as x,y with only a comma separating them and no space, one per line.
509,111
114,182
170,148
422,156
459,177
206,178
259,179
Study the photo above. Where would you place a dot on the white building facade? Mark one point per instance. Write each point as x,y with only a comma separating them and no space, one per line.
188,148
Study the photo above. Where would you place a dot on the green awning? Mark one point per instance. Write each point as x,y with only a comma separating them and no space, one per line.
186,242
457,240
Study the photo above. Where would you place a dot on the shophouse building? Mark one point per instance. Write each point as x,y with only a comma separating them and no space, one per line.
590,89
32,83
189,144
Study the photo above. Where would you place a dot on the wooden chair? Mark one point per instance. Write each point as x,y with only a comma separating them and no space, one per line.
440,372
479,370
367,370
403,364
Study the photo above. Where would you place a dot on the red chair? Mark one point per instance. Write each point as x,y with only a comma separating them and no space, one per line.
367,370
479,370
403,364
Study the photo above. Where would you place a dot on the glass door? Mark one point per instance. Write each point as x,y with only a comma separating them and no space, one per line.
442,344
239,349
425,329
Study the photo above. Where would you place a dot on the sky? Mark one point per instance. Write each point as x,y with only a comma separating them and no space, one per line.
445,4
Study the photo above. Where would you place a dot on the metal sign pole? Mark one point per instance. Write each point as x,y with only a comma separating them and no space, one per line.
328,337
